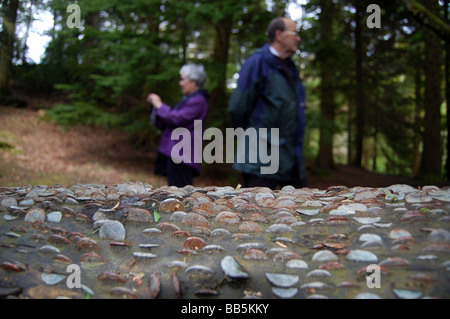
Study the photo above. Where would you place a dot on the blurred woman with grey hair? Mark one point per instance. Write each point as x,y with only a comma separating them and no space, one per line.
193,106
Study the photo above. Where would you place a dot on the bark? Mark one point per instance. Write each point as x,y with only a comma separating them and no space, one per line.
447,89
327,90
360,105
431,160
7,48
418,110
219,64
29,20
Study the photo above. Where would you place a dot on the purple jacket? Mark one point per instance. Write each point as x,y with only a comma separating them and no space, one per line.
191,107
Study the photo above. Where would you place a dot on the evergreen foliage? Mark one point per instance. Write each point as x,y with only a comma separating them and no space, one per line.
364,85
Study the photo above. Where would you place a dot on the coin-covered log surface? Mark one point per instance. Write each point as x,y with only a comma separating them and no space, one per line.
134,241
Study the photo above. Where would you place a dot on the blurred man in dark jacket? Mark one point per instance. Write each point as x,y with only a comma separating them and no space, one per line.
270,94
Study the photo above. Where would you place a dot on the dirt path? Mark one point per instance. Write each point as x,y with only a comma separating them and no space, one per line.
33,151
48,153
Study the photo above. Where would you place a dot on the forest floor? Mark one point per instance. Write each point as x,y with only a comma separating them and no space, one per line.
37,152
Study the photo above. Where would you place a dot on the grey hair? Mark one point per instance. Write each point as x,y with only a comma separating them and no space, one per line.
194,72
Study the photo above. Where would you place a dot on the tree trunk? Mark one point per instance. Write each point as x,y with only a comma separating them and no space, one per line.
447,90
219,64
327,88
350,130
374,151
92,20
431,162
418,110
360,105
7,48
24,48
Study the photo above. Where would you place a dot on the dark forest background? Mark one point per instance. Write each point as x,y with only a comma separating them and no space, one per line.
377,90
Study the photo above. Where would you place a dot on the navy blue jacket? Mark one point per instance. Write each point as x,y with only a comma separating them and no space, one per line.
270,95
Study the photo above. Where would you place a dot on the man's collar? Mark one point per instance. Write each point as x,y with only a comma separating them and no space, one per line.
273,51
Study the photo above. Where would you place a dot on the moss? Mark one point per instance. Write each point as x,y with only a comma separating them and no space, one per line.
4,146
